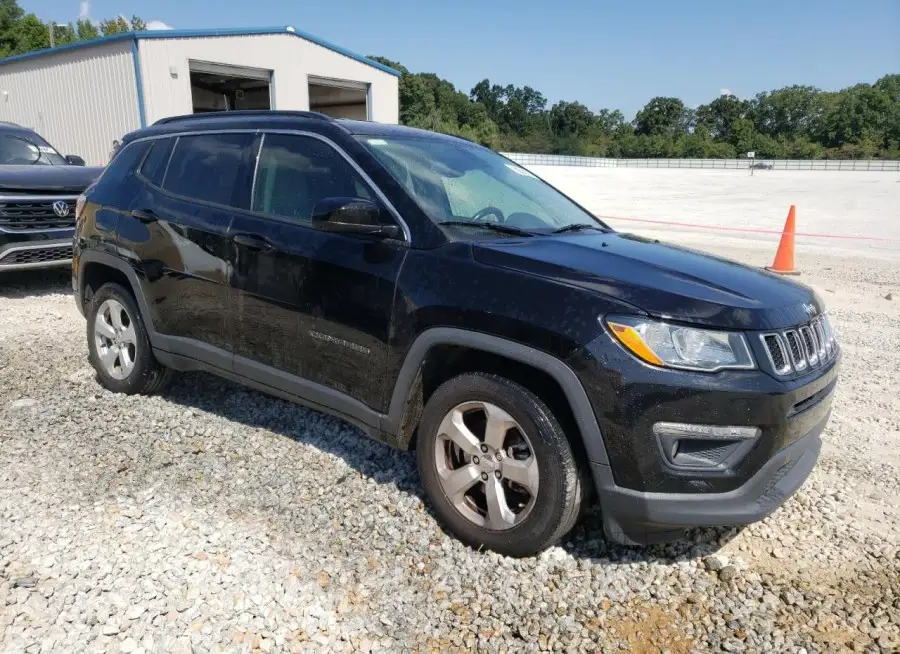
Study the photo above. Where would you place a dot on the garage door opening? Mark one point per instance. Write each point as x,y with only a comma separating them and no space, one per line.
218,87
339,98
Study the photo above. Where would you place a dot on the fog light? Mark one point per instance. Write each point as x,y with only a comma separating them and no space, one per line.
714,447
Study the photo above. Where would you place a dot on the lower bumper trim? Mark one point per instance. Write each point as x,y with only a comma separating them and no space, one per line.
41,254
637,518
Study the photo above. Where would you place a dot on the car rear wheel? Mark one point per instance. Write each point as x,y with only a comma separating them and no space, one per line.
118,345
497,466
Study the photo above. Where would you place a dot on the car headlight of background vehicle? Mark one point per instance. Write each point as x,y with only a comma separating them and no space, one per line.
678,346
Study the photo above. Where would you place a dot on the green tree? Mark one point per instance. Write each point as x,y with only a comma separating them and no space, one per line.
767,147
390,64
64,34
572,119
491,96
863,115
791,111
663,117
115,25
86,30
429,102
10,15
803,148
32,34
515,110
719,116
889,84
610,120
138,24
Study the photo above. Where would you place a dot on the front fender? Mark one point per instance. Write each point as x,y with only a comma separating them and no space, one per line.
566,378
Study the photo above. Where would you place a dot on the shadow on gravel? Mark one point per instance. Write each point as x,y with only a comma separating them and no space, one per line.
35,283
384,464
587,541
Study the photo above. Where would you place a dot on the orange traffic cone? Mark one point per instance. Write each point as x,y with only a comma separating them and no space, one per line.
784,257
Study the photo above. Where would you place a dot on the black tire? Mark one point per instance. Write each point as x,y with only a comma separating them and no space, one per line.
147,376
556,506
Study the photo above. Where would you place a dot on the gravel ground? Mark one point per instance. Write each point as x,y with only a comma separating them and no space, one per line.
213,518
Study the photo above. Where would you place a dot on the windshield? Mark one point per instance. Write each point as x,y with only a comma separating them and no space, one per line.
18,150
467,185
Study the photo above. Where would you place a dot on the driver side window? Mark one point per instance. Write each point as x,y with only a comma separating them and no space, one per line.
295,172
476,190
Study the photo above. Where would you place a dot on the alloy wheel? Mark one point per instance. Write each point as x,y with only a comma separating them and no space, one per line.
115,339
486,465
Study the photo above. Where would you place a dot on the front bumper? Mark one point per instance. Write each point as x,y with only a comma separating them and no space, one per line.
644,495
22,250
633,517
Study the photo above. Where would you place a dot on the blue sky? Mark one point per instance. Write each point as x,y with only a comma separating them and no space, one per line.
604,54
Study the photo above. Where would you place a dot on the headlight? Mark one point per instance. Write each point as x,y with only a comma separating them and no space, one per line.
676,346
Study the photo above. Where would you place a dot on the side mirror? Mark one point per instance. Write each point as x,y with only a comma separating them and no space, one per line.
74,160
351,216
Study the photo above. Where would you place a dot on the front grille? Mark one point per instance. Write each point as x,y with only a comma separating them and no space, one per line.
808,346
36,256
795,345
24,214
777,353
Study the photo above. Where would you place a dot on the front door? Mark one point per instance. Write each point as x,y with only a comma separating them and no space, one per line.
312,309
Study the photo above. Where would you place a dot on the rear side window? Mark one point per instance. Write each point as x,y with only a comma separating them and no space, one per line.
208,167
154,166
122,167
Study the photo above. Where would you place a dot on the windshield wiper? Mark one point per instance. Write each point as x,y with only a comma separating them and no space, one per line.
577,227
496,227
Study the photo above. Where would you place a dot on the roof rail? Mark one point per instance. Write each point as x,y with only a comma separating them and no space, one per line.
242,112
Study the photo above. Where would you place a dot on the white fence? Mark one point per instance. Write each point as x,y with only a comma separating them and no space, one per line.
884,165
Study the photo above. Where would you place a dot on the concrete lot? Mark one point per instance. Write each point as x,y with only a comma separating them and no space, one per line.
213,518
849,204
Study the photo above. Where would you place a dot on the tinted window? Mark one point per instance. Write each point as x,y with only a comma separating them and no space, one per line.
295,172
154,166
208,167
128,158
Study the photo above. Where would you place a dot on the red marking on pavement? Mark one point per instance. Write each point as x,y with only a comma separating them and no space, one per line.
751,230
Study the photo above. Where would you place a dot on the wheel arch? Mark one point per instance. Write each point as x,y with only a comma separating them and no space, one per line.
96,268
412,386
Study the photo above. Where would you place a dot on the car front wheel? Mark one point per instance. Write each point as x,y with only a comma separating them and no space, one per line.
496,465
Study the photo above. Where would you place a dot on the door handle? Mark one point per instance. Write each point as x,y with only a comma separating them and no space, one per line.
252,241
144,215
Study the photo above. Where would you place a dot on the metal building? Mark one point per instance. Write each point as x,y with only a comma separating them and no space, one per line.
82,96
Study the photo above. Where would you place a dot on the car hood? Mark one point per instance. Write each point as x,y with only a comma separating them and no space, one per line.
663,280
53,179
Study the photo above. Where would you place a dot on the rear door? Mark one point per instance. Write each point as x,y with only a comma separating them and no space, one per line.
310,306
178,230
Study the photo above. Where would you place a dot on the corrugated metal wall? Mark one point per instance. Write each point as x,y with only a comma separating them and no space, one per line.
166,73
79,100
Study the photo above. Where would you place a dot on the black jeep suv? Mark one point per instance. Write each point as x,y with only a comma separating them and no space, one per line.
443,298
38,191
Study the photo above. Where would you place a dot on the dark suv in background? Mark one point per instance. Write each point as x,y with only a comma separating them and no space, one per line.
38,192
443,298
